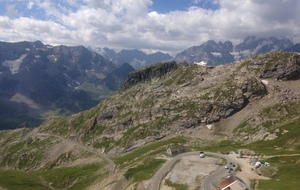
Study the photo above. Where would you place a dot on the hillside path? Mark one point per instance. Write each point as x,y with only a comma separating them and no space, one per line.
112,165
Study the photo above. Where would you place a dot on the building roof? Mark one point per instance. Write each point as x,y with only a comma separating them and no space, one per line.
232,183
238,185
229,180
177,148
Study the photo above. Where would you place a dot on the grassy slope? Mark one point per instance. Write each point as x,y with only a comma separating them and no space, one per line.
75,178
287,175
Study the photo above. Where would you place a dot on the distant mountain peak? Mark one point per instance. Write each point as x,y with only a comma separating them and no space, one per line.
214,53
136,58
209,52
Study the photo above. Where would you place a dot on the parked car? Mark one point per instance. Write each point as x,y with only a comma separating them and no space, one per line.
201,154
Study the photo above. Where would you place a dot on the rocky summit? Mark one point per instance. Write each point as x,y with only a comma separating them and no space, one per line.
120,143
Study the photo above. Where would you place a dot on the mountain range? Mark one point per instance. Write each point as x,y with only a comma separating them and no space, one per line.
135,58
36,78
251,105
209,53
213,53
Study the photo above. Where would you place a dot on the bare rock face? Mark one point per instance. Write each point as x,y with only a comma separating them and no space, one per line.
253,89
250,90
156,70
106,115
47,78
282,70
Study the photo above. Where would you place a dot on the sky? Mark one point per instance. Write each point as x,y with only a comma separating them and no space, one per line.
150,25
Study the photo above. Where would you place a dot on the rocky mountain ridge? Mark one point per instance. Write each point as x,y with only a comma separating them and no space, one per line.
136,58
36,78
212,53
168,98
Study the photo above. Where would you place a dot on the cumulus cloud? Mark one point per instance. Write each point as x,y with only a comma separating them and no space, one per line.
132,24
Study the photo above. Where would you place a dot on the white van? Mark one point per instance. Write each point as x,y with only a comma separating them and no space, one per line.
201,154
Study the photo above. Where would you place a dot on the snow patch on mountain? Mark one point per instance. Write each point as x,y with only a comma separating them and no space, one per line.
202,63
14,65
237,55
216,54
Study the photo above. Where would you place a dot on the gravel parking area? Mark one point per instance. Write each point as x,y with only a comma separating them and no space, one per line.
191,169
246,174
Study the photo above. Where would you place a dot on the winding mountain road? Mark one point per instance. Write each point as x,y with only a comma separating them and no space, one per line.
112,165
154,183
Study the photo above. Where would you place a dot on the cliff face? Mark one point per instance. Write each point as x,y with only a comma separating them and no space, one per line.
283,69
152,71
37,78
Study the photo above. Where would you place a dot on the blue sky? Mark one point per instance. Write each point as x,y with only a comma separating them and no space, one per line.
150,25
165,6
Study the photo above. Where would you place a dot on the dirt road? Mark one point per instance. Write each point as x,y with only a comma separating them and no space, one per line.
112,165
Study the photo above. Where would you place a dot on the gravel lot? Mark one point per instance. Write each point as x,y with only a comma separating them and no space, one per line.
191,169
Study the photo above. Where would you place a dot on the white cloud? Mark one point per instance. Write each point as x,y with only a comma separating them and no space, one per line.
129,24
30,5
32,30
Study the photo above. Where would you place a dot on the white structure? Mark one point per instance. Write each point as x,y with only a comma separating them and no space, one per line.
201,155
257,164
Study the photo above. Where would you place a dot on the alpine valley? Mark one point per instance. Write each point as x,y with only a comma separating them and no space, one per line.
250,105
38,79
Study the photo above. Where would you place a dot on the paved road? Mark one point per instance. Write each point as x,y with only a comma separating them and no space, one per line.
112,165
215,176
154,184
157,178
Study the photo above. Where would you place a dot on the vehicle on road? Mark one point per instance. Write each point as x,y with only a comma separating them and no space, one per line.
201,154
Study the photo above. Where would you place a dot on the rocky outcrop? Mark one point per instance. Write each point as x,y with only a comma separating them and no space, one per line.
283,70
251,89
106,115
156,70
